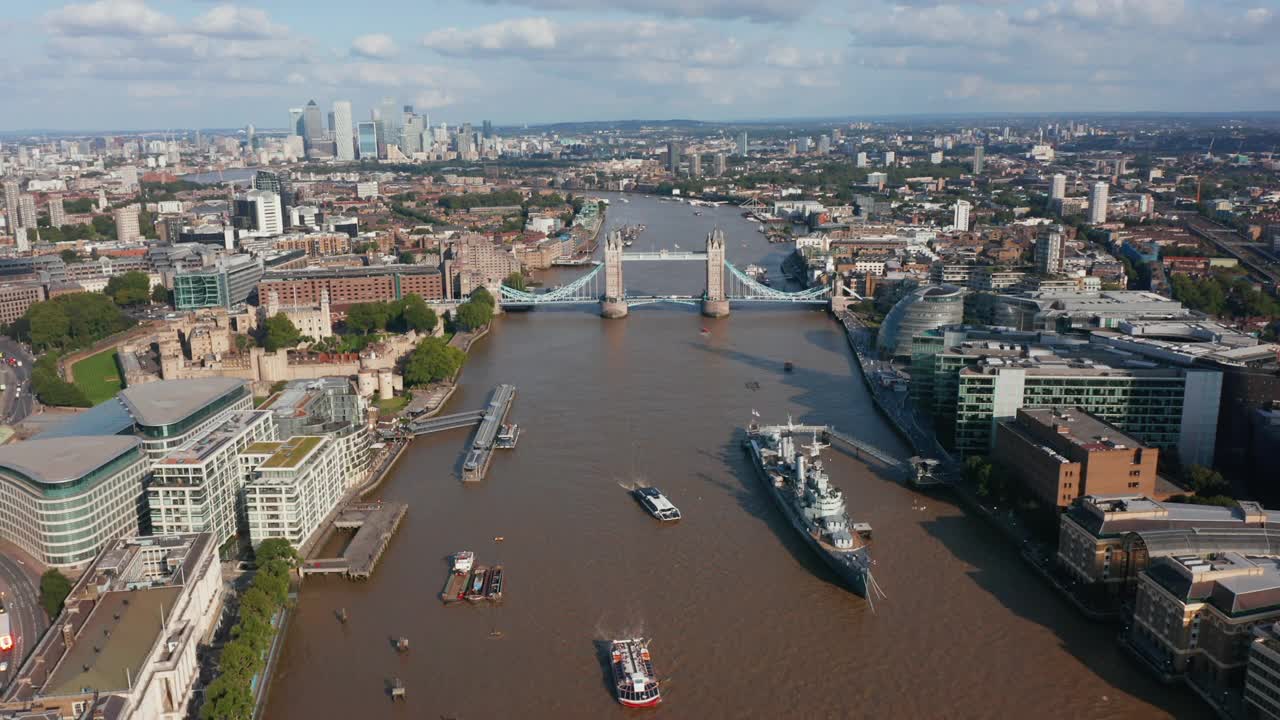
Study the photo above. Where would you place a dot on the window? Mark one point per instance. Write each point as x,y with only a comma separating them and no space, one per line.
1134,484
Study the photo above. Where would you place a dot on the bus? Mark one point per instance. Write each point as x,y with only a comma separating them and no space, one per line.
6,635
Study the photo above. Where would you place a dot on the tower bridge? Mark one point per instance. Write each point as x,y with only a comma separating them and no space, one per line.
725,284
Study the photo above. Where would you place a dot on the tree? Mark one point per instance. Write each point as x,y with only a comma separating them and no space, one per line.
257,601
367,317
1206,482
240,659
482,295
70,256
131,288
50,326
54,588
51,388
515,281
279,332
415,315
227,698
406,258
472,315
275,549
161,295
432,361
104,226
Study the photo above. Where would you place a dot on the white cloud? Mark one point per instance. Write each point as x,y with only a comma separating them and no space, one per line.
233,21
505,37
764,11
547,41
795,58
110,17
377,45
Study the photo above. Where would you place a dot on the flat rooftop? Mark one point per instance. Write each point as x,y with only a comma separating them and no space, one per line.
293,452
206,445
345,272
170,401
108,418
1081,428
64,459
116,638
262,447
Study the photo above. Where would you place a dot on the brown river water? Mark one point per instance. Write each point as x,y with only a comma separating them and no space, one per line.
744,621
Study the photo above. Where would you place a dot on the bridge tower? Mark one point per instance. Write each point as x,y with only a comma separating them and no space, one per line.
714,303
613,304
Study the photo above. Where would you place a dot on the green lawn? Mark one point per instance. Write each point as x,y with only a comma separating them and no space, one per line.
393,405
98,376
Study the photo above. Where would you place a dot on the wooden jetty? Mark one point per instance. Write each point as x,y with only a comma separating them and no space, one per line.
375,523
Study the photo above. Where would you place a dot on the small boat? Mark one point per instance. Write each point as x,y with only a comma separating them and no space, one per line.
342,615
635,682
462,561
494,591
507,436
788,366
479,581
402,644
657,504
628,243
705,331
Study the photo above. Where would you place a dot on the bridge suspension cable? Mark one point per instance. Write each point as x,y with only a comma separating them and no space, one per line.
583,289
748,288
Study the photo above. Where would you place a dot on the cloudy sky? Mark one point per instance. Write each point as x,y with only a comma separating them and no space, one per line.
122,64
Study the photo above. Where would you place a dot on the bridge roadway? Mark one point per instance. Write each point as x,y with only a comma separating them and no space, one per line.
699,255
446,422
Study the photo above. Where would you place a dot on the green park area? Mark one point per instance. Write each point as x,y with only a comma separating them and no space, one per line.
98,376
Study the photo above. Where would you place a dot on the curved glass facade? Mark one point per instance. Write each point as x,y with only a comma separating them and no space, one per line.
69,523
927,308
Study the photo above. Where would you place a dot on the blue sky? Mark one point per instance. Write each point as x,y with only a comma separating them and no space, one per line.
122,64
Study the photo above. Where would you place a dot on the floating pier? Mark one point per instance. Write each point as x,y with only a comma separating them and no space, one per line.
375,523
480,454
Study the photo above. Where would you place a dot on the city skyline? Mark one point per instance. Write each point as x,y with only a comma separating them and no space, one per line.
156,65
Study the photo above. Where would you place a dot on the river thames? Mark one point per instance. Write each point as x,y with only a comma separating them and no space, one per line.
744,622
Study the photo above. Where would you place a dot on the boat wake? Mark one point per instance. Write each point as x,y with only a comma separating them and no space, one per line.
633,484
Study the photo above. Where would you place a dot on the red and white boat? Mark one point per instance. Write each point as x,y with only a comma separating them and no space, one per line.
634,680
462,561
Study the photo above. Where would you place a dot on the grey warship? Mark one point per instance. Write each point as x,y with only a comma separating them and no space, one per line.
800,486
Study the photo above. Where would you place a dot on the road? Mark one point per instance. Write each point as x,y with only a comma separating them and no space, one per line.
26,618
16,402
1250,254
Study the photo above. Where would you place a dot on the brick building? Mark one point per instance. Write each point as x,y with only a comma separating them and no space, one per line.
15,298
1060,454
350,285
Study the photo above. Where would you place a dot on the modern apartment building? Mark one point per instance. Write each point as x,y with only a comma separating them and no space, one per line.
1161,407
65,498
228,283
196,487
327,406
969,385
167,415
293,486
